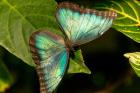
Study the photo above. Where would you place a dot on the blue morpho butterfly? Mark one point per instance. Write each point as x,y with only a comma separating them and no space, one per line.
51,52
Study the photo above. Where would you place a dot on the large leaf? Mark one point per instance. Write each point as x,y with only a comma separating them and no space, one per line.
134,59
128,20
19,18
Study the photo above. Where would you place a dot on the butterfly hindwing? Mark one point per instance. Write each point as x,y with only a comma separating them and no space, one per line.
83,25
51,56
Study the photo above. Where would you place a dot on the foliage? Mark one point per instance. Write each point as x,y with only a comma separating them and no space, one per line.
127,22
18,19
5,77
134,59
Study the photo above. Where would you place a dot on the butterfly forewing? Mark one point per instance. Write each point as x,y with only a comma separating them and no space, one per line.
83,25
51,56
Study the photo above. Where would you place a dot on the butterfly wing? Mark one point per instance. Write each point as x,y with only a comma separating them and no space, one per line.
83,25
51,56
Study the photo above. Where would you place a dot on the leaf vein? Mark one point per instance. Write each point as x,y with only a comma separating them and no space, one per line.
137,2
118,5
14,9
128,31
125,24
135,12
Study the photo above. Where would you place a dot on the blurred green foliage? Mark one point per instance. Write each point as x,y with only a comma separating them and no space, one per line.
5,77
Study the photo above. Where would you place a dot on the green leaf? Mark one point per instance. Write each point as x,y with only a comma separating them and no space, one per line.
5,77
134,59
77,64
20,18
128,20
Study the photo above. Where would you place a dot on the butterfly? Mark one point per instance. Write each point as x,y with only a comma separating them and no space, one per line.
50,52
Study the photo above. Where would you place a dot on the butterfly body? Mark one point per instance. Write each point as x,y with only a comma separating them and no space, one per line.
51,52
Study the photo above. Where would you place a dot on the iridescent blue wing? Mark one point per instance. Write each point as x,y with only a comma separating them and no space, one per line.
83,25
51,56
